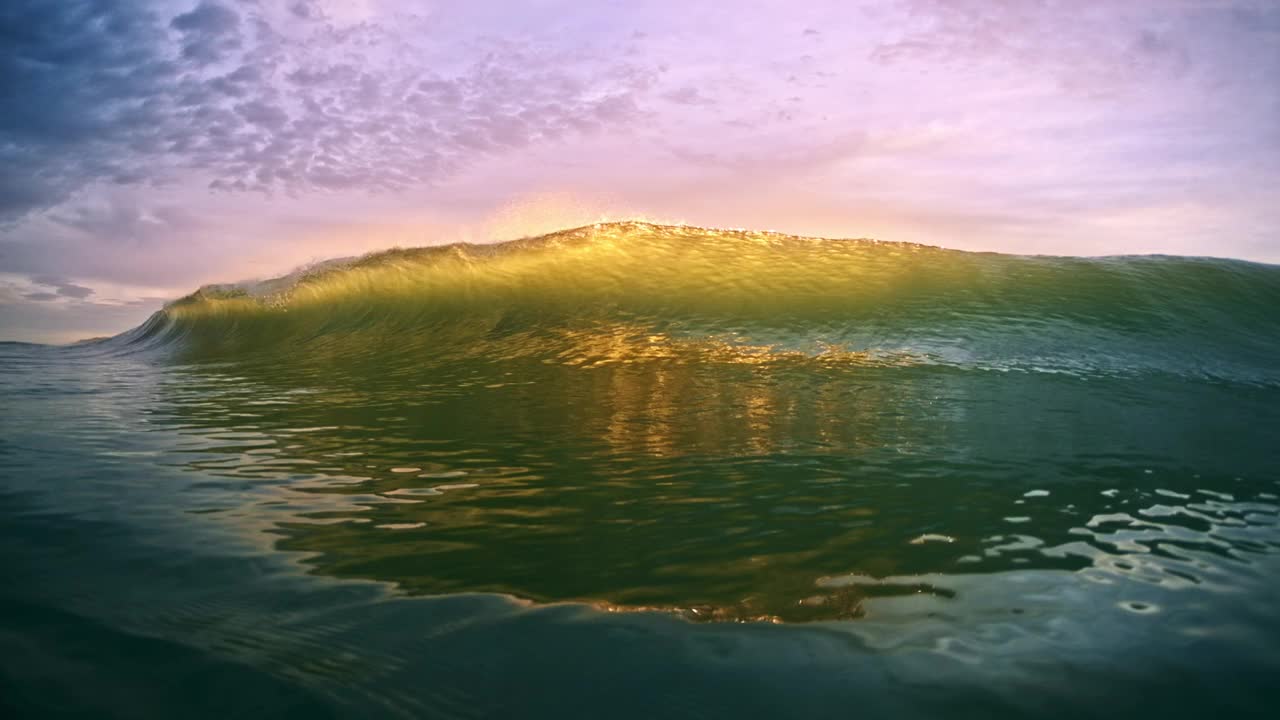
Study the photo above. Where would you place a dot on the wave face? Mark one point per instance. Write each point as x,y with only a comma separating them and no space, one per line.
630,292
728,419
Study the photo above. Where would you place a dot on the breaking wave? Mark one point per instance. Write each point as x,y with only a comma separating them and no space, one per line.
633,292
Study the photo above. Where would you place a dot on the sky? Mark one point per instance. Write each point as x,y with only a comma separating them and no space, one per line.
147,148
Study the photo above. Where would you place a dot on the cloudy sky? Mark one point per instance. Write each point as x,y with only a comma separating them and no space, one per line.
147,148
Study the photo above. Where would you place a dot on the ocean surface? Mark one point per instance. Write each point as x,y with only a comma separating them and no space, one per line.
639,471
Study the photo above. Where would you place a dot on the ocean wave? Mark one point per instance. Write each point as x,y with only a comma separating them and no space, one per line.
635,292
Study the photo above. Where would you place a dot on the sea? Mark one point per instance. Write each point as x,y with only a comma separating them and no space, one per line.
645,471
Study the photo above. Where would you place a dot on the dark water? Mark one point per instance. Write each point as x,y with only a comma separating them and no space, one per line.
634,471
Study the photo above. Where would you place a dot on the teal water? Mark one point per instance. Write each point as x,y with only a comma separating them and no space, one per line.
642,471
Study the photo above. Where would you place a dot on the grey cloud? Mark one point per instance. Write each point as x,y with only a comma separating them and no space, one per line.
332,74
1104,52
237,83
78,292
307,10
40,320
261,113
124,222
98,98
63,288
78,81
799,160
209,31
688,96
20,194
616,108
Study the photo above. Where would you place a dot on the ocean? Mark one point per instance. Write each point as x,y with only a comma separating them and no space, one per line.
646,471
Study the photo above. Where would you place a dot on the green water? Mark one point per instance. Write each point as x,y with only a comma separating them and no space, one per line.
638,471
